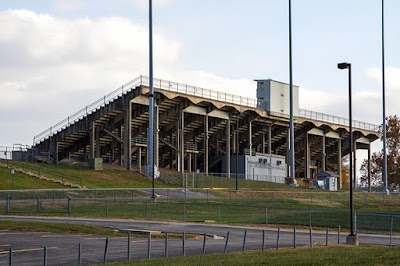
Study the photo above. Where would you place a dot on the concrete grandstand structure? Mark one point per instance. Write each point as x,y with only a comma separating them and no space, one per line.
196,128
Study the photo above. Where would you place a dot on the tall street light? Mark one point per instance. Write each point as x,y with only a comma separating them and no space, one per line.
384,166
352,238
291,124
151,100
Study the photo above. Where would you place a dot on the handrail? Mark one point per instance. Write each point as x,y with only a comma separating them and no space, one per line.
338,120
194,91
87,110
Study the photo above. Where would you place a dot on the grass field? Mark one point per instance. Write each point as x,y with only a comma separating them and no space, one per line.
107,178
340,255
22,181
57,228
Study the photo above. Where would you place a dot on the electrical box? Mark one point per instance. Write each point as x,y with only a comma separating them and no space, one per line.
96,163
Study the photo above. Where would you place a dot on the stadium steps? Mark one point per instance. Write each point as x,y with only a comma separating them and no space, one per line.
41,177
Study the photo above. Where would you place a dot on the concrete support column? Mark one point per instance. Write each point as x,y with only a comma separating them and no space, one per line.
354,165
91,141
121,146
306,157
56,152
263,143
139,158
195,156
234,142
340,163
178,145
250,140
190,162
97,142
156,138
206,145
323,153
128,137
270,139
228,148
287,151
182,144
171,157
369,168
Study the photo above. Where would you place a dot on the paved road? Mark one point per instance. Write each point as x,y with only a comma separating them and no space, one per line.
63,248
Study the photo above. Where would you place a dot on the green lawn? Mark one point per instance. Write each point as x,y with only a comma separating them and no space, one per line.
22,181
341,255
57,228
107,178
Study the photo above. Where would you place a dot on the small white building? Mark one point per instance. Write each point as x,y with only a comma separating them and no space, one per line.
259,167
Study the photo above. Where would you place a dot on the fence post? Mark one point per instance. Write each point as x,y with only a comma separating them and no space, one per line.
391,231
327,236
294,237
38,205
129,246
244,241
277,238
166,245
183,243
45,256
263,240
204,244
355,222
54,192
338,235
69,206
10,256
8,204
309,215
80,254
105,251
226,242
311,241
148,245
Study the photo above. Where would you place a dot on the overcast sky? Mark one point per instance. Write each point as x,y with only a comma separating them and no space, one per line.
57,56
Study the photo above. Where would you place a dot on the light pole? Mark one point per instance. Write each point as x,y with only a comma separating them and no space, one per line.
384,166
151,100
291,124
352,238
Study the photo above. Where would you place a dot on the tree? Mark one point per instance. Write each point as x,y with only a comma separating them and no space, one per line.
393,157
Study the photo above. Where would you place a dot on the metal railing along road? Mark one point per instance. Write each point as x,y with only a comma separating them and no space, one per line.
189,90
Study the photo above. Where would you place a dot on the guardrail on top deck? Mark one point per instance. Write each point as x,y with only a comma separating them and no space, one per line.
338,120
189,90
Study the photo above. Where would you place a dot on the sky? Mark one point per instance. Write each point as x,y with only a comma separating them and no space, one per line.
57,56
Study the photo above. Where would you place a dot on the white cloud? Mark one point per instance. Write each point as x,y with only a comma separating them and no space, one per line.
392,76
52,67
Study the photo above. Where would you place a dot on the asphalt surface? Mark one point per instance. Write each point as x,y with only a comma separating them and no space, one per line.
62,249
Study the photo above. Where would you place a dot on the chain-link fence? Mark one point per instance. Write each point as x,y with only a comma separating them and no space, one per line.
202,205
